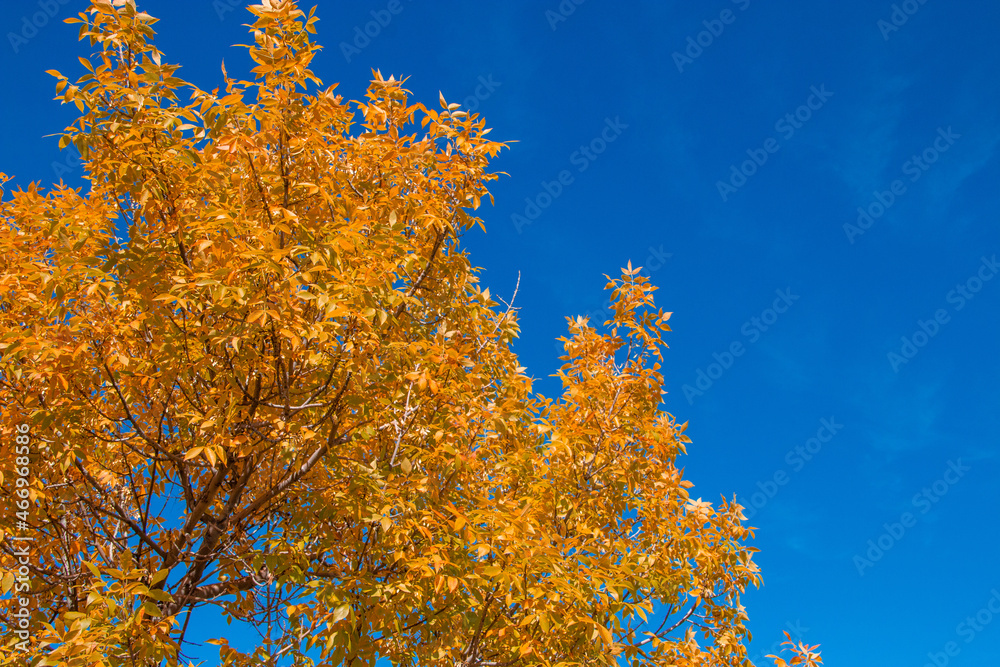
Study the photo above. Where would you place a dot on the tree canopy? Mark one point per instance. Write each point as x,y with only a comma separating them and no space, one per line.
258,376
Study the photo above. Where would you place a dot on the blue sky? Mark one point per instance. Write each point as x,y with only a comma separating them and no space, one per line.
840,364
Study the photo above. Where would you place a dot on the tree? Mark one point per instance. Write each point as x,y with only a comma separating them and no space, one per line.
283,396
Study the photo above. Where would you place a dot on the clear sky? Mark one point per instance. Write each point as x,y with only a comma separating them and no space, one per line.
812,185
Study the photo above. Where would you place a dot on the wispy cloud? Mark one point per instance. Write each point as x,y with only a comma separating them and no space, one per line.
864,153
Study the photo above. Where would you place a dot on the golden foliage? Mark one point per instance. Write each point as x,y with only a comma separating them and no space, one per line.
285,394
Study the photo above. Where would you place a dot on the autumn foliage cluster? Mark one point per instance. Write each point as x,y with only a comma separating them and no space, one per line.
262,381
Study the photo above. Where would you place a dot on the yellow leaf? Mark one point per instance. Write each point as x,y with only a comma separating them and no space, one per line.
341,612
8,582
193,453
